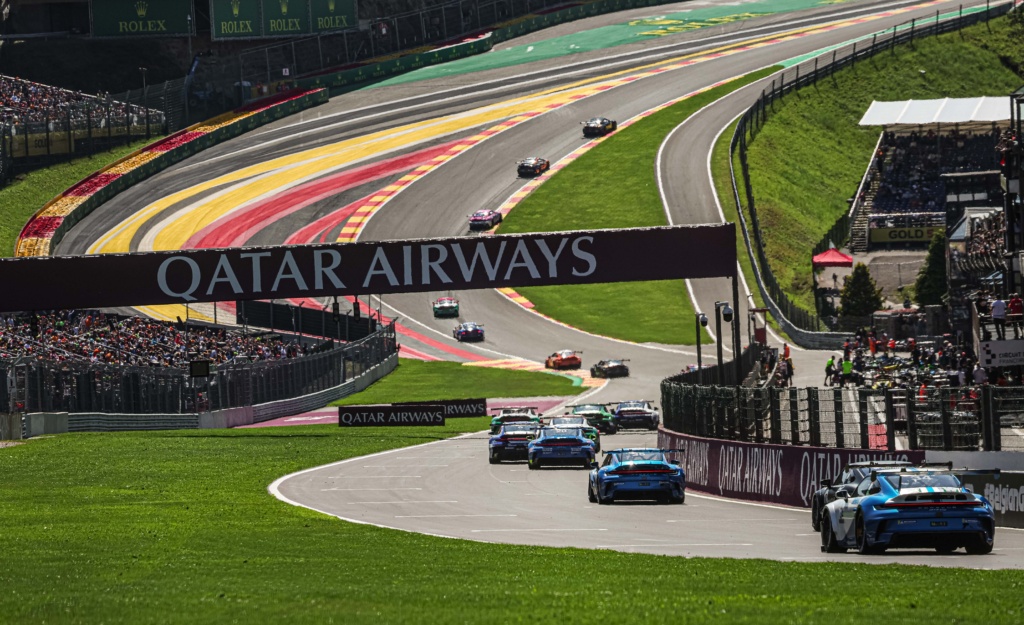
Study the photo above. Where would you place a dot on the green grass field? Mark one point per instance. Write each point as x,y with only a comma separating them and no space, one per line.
415,380
577,199
810,156
178,527
26,195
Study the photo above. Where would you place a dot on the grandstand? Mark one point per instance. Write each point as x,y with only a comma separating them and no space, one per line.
908,186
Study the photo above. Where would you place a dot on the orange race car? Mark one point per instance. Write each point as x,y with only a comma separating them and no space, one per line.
564,359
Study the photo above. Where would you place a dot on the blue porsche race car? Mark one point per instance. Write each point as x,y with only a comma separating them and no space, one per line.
468,331
909,507
560,446
511,442
637,474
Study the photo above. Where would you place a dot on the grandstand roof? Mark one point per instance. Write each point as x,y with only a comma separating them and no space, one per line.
943,111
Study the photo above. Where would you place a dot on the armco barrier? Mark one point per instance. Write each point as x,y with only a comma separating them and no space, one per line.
781,474
49,225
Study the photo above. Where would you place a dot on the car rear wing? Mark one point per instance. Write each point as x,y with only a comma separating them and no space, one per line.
636,449
995,473
497,411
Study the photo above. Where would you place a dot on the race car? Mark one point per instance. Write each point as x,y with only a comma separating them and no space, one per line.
484,219
446,307
564,359
637,474
533,166
910,507
468,331
579,423
560,446
596,415
636,413
514,414
848,478
598,127
610,369
511,441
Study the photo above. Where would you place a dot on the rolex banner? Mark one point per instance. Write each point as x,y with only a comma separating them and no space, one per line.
239,19
140,18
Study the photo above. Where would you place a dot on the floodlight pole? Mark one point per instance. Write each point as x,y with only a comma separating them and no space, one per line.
697,316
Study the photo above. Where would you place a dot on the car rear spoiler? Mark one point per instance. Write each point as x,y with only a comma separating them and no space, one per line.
950,471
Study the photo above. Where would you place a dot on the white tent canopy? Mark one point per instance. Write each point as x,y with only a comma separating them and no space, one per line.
944,111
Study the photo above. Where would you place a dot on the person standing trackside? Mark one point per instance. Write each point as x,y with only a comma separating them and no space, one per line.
829,369
999,317
847,371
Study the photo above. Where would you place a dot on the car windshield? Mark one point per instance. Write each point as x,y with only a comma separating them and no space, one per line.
560,432
635,456
567,421
518,429
904,481
587,408
633,404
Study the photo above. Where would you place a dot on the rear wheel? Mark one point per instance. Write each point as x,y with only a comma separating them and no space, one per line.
829,542
863,546
815,515
590,493
677,500
604,501
980,546
945,548
533,463
494,457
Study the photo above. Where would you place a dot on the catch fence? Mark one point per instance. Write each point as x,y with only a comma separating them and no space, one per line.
805,74
37,386
984,418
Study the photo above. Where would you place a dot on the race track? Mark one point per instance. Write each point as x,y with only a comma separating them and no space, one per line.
413,160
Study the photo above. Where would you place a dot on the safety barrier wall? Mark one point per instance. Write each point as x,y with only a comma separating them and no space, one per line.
48,226
803,327
781,474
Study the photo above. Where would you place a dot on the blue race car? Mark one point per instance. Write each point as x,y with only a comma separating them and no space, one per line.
637,474
909,507
468,331
511,442
561,446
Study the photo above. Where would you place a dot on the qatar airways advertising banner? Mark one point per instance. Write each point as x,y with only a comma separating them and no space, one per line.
781,474
404,266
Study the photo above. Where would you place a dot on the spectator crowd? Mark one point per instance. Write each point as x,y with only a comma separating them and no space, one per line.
27,102
98,338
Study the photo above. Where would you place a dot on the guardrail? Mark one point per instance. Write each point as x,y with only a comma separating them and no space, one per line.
801,325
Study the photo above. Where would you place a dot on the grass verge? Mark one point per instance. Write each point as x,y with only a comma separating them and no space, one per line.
810,155
415,380
576,199
177,527
26,195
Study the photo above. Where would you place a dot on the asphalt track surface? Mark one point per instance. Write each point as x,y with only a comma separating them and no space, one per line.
209,200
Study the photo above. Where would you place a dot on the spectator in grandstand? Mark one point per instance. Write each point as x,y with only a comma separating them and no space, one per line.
25,102
1015,313
108,339
999,317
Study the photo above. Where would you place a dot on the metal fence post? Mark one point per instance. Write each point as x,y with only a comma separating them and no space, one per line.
839,414
775,416
814,417
946,414
863,397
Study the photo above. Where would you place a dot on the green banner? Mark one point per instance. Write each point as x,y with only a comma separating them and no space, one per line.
232,19
147,18
332,14
284,18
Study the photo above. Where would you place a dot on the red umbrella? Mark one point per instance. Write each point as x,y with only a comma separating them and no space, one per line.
832,258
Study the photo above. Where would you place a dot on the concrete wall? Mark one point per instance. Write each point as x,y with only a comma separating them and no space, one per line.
37,423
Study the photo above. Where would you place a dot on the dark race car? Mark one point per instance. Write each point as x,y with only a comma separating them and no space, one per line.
637,474
468,331
599,127
847,480
533,166
511,442
610,369
913,508
484,219
636,413
446,307
560,446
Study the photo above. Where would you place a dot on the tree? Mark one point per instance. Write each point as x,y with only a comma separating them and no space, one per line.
860,296
931,283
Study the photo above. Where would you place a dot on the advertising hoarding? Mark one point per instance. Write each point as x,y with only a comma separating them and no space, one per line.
140,18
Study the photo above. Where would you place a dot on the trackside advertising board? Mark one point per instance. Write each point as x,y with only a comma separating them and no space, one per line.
140,18
248,19
1006,494
454,408
409,266
780,474
387,415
